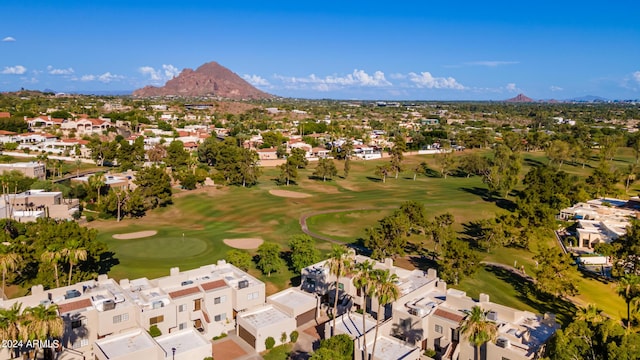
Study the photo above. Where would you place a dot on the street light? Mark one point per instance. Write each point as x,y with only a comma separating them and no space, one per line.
173,350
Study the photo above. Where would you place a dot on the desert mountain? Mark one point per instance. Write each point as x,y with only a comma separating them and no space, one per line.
210,79
521,98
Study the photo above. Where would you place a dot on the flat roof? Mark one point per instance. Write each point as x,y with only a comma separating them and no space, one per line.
351,324
182,341
266,316
118,345
392,349
294,299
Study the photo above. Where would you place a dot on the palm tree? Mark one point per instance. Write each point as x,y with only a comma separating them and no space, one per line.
43,323
339,264
478,329
362,280
590,314
9,322
384,287
8,261
629,289
74,254
96,182
53,257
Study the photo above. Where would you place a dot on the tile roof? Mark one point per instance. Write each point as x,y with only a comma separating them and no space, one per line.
184,292
74,305
213,285
449,315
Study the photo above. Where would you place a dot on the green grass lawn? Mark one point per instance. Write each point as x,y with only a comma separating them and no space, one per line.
207,216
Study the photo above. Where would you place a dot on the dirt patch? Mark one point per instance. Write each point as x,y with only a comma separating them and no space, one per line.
228,349
289,194
135,235
244,243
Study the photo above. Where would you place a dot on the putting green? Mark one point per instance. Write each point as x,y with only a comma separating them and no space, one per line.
163,248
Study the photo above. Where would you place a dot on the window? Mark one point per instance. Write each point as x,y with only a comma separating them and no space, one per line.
120,318
156,320
182,326
197,304
253,295
76,324
220,300
438,329
182,308
220,317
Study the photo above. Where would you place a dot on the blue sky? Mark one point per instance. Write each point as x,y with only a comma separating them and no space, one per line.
421,50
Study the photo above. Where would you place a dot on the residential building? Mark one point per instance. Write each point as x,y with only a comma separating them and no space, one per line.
103,318
28,169
426,315
33,204
600,220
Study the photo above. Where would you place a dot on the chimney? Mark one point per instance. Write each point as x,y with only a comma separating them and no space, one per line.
125,284
102,278
37,290
483,298
432,274
388,262
174,271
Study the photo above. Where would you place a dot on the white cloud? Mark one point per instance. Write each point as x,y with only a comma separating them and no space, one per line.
256,80
636,76
492,63
14,70
426,80
511,87
104,78
51,70
555,88
9,39
159,76
359,78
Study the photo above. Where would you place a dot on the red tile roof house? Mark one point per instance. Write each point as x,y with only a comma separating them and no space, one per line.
4,114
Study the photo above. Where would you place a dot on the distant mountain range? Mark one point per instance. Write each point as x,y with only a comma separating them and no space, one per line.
210,79
521,98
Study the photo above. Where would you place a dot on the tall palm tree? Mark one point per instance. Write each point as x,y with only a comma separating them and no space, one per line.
339,265
9,320
74,254
629,289
8,261
362,280
53,256
478,329
43,323
96,182
384,287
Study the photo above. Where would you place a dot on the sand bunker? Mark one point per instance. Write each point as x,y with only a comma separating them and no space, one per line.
289,194
135,235
244,243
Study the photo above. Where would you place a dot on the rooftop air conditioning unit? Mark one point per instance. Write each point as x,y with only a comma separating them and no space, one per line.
108,305
492,316
188,282
502,342
243,284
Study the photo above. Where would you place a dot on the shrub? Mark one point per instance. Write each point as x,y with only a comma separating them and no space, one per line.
283,337
294,336
221,336
90,218
430,353
269,343
154,331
